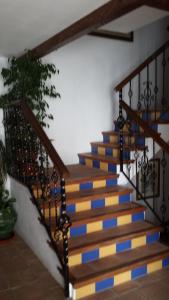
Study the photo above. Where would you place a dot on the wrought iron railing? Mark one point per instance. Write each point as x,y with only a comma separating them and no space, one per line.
143,105
33,161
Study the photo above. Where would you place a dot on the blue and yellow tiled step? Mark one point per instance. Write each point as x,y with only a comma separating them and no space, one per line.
99,219
114,138
90,199
108,272
151,115
102,162
135,128
107,242
113,150
82,178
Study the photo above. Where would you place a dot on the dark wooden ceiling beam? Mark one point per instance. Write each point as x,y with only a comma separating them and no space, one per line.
160,4
108,34
101,16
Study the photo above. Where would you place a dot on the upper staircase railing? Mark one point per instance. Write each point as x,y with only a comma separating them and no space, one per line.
143,105
34,161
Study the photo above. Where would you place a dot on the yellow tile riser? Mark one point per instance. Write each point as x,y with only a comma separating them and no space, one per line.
154,266
89,163
37,192
129,140
51,212
114,139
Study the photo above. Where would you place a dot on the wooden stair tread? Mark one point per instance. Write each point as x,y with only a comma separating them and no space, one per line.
109,266
105,158
113,145
125,133
164,122
104,212
150,110
80,173
108,236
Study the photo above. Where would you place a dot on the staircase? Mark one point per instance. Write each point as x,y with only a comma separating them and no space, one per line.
96,226
105,247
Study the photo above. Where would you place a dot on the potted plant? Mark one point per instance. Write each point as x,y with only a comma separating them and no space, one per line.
8,215
27,79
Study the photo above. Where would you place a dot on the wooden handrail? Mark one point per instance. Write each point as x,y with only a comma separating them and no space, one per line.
141,67
148,130
54,156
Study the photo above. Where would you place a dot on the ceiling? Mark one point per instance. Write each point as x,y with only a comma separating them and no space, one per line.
26,23
138,18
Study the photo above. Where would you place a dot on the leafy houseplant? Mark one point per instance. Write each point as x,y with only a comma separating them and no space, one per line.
8,215
26,79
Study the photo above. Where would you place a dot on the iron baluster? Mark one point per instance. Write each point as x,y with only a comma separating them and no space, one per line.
120,124
42,177
139,92
130,94
154,175
147,97
155,90
163,102
136,156
163,207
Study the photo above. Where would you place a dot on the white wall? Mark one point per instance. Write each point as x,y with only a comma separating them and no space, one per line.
89,70
3,63
30,229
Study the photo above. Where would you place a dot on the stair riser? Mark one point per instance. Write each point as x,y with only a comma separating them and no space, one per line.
106,250
80,186
135,128
128,275
98,203
91,185
139,141
104,166
152,116
114,153
89,204
108,223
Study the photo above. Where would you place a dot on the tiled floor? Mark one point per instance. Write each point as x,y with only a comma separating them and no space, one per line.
22,277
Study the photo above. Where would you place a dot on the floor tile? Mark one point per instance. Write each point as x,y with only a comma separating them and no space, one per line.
155,291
